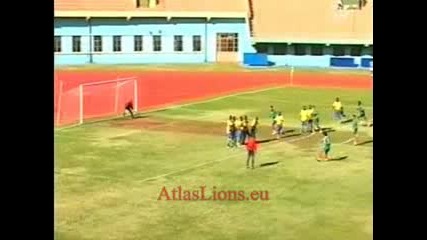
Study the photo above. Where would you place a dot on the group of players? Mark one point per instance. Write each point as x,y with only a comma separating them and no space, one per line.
240,132
309,117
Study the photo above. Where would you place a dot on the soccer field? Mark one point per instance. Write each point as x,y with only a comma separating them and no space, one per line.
109,175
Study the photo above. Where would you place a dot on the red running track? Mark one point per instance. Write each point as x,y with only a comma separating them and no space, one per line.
160,89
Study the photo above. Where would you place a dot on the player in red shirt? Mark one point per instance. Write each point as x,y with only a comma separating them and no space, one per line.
251,147
129,108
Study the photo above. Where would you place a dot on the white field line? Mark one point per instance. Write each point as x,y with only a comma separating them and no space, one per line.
174,106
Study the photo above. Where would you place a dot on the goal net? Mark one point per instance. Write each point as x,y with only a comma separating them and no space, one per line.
96,100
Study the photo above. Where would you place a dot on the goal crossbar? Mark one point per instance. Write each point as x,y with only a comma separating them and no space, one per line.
108,81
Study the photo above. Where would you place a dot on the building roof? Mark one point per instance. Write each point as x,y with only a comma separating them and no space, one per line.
311,21
87,8
94,5
206,5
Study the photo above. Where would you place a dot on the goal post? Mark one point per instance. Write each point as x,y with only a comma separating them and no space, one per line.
95,100
106,98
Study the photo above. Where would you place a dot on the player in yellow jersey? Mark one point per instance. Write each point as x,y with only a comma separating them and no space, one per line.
245,132
239,125
279,121
230,130
253,127
338,110
303,118
310,116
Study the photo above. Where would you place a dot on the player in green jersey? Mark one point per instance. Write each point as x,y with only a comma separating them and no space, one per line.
361,114
355,127
273,114
326,147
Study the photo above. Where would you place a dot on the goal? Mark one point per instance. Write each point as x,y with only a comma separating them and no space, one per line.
96,100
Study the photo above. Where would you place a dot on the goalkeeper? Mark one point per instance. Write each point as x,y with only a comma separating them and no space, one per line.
129,108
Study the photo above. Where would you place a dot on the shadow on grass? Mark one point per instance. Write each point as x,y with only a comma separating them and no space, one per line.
335,159
346,121
338,158
365,142
268,164
267,140
292,135
275,139
328,129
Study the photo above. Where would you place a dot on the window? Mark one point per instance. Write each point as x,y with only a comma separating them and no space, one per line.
317,50
138,43
280,49
177,43
369,50
77,43
197,43
142,3
356,50
97,44
117,43
300,49
157,43
57,44
227,42
338,50
261,48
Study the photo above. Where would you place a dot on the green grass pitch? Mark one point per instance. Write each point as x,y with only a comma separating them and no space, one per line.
108,175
